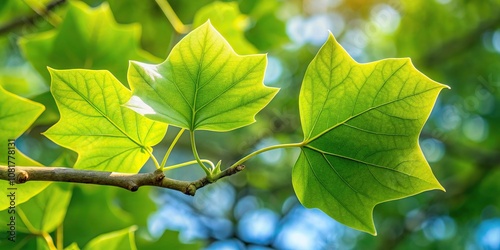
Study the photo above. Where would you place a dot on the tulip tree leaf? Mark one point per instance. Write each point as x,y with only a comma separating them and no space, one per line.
93,123
202,85
87,38
361,124
16,116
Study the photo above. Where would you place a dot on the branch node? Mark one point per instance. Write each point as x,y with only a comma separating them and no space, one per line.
22,177
134,188
239,168
190,190
159,176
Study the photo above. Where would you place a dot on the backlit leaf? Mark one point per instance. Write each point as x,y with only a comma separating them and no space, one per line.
16,116
361,124
93,123
202,85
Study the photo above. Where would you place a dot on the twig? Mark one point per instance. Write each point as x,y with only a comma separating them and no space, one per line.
128,181
29,19
172,17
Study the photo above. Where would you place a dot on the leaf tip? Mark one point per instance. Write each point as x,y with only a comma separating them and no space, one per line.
440,187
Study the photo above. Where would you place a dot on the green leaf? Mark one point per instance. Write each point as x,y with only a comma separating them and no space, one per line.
79,225
46,211
73,246
24,241
169,240
93,123
228,20
118,240
361,124
16,116
268,32
138,205
87,38
203,85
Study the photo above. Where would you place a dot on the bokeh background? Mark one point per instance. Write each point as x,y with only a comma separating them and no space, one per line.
455,42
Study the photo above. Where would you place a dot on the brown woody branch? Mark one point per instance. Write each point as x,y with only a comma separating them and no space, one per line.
128,181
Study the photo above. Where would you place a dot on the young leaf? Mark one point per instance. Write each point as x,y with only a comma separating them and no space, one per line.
361,124
118,240
16,116
203,85
87,38
93,123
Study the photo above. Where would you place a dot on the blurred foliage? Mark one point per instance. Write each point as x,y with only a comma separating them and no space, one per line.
456,42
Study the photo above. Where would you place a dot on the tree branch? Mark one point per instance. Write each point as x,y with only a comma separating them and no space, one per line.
128,181
459,44
29,19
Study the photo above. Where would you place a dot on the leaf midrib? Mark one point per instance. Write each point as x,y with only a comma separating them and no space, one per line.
363,162
308,141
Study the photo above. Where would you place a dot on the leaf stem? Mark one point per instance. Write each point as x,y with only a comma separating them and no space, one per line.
179,27
33,230
187,163
49,241
157,165
172,145
26,222
59,237
197,157
262,150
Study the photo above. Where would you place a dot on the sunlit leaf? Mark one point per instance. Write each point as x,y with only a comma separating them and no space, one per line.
93,123
16,116
361,124
203,85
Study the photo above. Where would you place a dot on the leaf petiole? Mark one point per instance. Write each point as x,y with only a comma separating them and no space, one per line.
172,145
262,150
148,149
180,165
208,172
172,17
